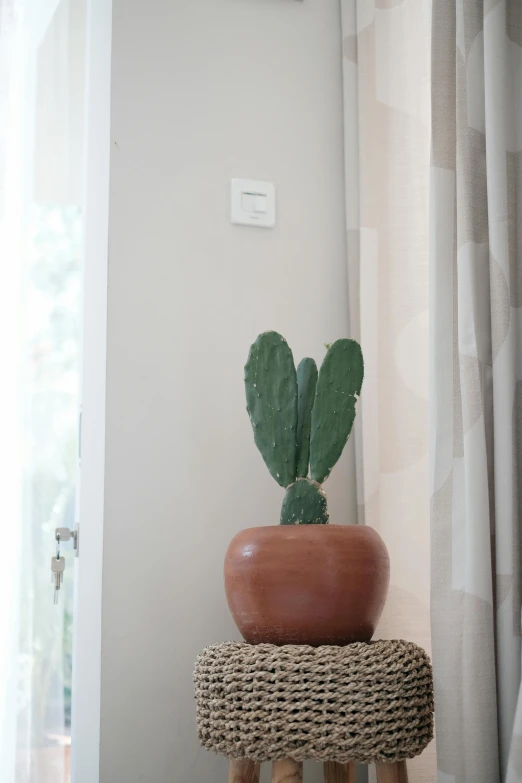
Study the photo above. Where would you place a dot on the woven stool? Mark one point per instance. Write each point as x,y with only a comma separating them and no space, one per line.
366,702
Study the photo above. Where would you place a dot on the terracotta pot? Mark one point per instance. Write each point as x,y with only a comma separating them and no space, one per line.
307,584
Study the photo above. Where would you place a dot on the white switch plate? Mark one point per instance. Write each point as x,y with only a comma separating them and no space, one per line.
252,203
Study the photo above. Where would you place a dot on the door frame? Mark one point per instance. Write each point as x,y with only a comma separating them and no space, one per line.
86,684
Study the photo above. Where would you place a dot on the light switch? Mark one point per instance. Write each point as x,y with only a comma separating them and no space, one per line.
248,202
261,204
252,203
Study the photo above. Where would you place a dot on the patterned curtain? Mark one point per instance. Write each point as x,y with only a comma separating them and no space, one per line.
386,128
476,386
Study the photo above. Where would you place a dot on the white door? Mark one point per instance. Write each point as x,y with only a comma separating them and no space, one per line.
54,131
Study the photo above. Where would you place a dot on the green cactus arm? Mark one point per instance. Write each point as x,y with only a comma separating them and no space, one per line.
306,383
304,504
271,393
338,386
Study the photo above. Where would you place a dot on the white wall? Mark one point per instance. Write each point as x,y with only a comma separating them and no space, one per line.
202,91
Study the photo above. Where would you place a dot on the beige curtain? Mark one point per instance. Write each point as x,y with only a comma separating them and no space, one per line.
476,392
387,121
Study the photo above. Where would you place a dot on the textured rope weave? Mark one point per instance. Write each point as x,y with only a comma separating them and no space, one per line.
364,702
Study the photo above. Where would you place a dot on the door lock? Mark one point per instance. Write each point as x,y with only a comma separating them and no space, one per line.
58,562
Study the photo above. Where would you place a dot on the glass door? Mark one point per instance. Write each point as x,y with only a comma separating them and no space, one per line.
42,186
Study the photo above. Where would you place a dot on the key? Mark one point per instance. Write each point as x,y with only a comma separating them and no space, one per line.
57,580
57,568
62,534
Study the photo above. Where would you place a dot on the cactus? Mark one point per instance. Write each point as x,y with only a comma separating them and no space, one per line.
306,383
301,419
338,386
304,504
271,392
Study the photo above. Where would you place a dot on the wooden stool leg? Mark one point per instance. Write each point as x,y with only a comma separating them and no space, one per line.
339,773
287,771
243,771
392,773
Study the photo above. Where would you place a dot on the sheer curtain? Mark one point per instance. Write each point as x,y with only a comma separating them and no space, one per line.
42,50
387,139
477,387
10,407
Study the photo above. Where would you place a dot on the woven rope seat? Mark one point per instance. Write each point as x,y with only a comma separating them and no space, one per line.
366,702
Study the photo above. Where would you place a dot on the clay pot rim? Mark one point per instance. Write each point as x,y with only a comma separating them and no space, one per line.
288,528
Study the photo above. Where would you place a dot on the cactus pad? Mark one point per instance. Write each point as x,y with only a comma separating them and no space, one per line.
338,386
304,504
306,383
271,393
